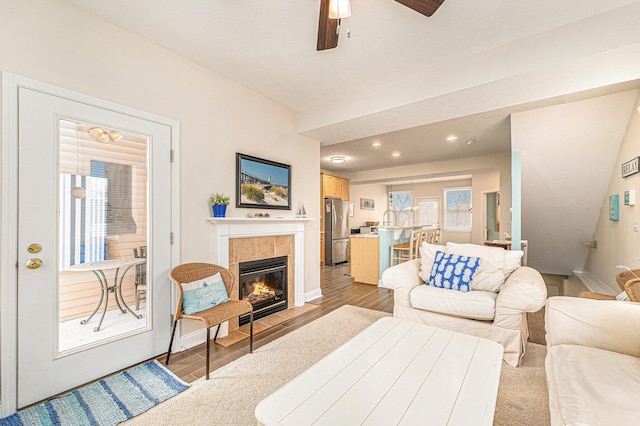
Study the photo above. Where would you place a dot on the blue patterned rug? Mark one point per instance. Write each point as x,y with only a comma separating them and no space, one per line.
107,402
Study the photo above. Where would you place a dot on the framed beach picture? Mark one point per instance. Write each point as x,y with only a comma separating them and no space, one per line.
367,204
262,184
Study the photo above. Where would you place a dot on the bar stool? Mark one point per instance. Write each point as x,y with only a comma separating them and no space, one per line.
406,251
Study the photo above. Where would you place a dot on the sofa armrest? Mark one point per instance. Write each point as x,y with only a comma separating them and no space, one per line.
402,279
603,324
523,291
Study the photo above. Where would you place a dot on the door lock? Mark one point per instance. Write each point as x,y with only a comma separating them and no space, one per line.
34,263
34,248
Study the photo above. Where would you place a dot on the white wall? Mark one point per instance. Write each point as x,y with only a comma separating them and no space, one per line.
618,244
568,153
58,43
378,193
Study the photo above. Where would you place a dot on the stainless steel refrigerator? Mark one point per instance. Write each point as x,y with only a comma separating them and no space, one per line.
336,231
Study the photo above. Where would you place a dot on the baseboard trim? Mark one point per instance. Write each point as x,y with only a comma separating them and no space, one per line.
595,284
313,294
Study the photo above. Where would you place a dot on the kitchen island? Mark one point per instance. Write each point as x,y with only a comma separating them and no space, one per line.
365,266
370,253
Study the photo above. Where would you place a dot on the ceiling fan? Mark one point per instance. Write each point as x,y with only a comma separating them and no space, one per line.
328,26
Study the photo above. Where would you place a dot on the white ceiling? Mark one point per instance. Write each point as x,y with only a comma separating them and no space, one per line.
402,78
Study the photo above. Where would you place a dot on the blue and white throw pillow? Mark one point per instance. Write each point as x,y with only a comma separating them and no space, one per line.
203,294
453,271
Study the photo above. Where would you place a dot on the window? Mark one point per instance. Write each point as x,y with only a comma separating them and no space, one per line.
120,192
428,211
402,203
457,212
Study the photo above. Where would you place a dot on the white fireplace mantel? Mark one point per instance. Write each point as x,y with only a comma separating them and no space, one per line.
226,228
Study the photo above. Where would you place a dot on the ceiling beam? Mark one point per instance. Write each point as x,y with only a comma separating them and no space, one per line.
426,7
327,28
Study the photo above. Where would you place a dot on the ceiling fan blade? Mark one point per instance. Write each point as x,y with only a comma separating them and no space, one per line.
327,35
426,7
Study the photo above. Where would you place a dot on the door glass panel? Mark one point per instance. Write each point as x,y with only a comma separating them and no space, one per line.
102,234
428,211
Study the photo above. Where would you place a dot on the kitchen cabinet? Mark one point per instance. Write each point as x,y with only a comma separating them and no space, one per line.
322,248
334,186
365,259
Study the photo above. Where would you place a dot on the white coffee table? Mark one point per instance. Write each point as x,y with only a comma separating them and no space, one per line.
395,372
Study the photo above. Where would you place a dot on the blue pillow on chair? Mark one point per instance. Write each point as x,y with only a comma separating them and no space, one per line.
203,294
453,271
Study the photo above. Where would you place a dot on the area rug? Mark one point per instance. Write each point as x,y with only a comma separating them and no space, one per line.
230,396
107,402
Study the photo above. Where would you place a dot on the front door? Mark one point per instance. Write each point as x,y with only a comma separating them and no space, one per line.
94,224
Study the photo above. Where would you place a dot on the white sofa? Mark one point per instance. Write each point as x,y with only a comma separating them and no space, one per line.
502,292
593,361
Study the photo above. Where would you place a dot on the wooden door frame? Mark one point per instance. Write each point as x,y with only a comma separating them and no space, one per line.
9,215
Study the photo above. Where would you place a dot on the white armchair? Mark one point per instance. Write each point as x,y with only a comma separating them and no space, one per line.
498,315
593,361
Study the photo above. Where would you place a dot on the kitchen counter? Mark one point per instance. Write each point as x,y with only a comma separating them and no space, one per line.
363,235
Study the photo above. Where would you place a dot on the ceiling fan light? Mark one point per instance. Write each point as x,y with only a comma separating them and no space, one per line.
338,159
115,136
339,9
99,134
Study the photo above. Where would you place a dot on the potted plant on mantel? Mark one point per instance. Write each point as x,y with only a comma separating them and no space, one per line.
219,204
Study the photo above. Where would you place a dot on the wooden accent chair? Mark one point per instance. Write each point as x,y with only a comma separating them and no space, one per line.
406,251
213,316
429,236
627,280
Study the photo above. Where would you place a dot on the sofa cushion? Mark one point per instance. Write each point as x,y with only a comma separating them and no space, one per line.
512,259
473,304
453,272
427,256
489,276
593,386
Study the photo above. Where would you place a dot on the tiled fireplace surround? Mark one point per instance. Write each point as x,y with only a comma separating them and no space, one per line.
255,248
244,239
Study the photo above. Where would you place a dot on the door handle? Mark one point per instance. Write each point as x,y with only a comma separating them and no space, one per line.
34,263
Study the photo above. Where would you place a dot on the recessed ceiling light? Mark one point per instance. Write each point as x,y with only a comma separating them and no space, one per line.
452,138
396,154
471,141
338,159
376,144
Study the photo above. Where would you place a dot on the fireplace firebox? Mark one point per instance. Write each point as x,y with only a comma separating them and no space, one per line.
263,283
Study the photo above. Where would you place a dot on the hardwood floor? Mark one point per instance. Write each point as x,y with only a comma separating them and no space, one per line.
338,289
